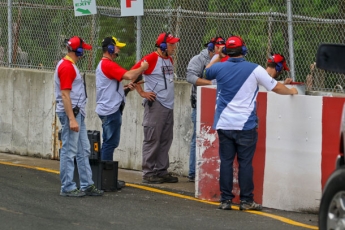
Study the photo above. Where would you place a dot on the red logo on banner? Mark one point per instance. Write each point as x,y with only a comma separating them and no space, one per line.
129,3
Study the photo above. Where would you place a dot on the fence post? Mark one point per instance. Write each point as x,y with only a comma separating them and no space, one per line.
138,38
9,31
290,33
270,19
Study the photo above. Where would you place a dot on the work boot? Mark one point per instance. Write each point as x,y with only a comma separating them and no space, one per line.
121,184
245,205
74,193
153,180
93,191
168,178
191,178
225,205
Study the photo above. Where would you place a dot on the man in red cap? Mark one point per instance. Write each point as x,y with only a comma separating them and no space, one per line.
276,64
235,118
158,105
219,43
70,107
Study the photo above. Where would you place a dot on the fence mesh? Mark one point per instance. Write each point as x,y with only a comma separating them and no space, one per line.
37,29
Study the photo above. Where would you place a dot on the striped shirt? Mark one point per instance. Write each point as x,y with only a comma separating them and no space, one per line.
237,88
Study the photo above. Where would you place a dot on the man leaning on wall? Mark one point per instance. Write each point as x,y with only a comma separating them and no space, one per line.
235,118
195,70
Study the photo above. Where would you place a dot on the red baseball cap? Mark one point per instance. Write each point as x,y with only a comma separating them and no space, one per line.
169,39
74,43
220,41
278,58
217,41
234,42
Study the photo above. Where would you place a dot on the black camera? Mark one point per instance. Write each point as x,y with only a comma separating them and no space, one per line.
192,101
122,107
149,103
76,110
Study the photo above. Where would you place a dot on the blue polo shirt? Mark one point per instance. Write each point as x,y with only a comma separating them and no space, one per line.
237,88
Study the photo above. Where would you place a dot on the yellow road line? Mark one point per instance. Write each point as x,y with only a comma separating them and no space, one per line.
30,167
282,219
276,217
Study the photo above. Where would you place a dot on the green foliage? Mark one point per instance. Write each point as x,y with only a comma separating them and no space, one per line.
41,29
123,30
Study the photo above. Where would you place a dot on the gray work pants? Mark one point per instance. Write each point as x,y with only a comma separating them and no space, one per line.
158,126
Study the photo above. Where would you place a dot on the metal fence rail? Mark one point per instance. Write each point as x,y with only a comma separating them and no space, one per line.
32,32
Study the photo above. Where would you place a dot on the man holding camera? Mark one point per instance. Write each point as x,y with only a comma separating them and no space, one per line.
110,95
70,107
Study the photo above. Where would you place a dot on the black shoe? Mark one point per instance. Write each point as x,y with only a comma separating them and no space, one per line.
168,178
245,205
225,205
191,178
121,184
93,191
74,193
153,180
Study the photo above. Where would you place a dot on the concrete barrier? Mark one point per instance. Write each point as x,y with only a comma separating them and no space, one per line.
27,112
28,125
296,150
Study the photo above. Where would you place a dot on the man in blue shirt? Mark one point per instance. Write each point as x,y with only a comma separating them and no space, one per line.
235,118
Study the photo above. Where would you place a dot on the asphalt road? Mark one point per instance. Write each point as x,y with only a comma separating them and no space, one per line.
29,199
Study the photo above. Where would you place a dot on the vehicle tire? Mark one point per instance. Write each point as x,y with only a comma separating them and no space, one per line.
332,207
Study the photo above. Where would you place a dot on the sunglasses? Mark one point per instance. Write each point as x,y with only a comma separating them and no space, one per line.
220,42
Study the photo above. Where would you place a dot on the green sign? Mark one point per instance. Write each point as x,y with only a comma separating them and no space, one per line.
84,7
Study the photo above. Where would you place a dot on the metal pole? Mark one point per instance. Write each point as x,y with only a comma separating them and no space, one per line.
92,41
9,31
138,38
290,33
269,47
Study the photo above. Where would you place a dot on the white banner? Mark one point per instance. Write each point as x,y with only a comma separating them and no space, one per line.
132,7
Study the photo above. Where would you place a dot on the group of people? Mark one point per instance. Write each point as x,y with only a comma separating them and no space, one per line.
221,63
70,93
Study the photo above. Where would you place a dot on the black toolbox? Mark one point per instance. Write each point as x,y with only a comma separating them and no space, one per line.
109,175
94,137
95,143
104,173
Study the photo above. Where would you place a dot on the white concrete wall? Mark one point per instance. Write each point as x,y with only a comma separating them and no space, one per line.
292,178
26,112
28,125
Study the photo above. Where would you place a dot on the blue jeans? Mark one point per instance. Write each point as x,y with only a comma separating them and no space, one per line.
74,145
241,143
111,125
192,153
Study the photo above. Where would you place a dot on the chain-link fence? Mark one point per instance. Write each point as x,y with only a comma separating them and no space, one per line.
32,32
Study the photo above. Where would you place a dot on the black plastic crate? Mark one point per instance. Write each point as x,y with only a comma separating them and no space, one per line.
94,137
109,172
104,174
96,173
95,143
